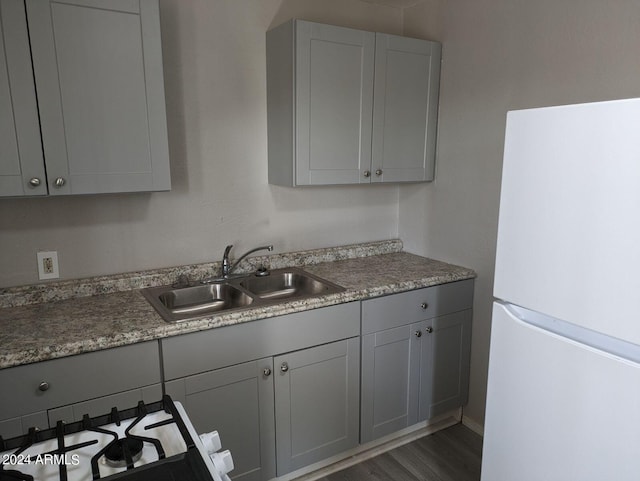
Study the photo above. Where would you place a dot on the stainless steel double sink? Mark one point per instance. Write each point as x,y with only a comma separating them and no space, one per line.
181,304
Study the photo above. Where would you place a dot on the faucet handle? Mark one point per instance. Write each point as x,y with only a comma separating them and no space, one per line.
262,271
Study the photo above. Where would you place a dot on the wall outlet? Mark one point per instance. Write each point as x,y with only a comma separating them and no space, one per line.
48,265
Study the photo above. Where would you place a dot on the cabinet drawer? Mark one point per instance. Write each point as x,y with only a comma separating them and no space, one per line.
206,350
406,307
104,404
10,428
78,378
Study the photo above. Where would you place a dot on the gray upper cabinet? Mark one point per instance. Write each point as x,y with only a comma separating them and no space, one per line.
320,103
21,163
98,75
405,111
347,106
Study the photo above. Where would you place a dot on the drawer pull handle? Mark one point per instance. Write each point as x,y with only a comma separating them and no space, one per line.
424,305
418,333
44,385
266,371
429,330
284,367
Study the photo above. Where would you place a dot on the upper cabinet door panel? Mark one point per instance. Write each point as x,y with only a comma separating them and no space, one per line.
407,76
347,106
98,70
20,147
334,89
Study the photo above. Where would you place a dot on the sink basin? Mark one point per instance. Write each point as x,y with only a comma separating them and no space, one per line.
196,301
286,284
181,304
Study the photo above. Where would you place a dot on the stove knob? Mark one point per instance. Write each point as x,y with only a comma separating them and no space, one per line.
222,461
211,442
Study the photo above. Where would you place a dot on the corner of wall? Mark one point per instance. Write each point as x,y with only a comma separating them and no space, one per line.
473,425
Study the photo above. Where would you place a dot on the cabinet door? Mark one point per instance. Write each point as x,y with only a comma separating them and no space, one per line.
316,392
20,147
237,402
407,77
444,377
390,380
98,71
334,97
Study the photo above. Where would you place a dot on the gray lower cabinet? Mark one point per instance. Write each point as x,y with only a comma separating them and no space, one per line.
390,373
40,394
316,392
103,405
297,408
282,392
236,401
415,356
21,424
444,364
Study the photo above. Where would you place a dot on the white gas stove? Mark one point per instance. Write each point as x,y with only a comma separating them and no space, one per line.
154,442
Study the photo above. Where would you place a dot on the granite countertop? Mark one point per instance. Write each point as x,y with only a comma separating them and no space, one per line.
49,330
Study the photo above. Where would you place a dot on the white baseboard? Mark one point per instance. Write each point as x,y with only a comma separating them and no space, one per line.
473,425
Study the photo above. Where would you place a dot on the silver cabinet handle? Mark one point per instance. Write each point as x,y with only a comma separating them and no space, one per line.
424,305
418,333
366,173
379,172
429,330
43,386
34,182
284,367
59,182
266,371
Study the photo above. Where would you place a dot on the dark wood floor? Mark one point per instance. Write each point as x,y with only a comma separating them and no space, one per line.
453,454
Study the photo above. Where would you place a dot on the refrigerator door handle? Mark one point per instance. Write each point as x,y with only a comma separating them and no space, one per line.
581,335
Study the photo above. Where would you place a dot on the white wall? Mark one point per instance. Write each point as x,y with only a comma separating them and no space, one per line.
214,60
500,55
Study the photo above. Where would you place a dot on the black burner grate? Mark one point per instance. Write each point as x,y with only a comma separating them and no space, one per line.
191,461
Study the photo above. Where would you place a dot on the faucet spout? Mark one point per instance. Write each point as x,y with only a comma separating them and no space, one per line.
227,267
226,264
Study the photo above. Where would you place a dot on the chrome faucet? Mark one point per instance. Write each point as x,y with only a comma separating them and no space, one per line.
227,267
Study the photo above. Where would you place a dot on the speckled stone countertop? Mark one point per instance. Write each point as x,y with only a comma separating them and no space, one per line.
38,332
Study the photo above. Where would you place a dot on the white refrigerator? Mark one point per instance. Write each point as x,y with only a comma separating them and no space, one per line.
563,399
